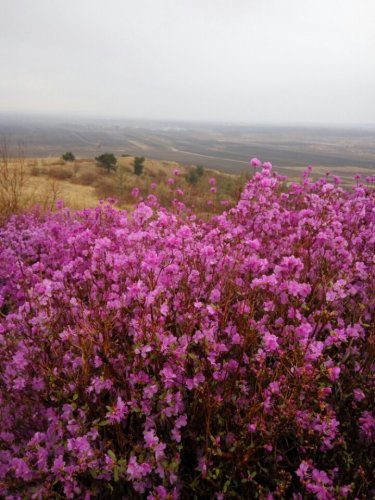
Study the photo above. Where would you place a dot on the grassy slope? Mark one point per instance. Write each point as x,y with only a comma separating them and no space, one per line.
82,183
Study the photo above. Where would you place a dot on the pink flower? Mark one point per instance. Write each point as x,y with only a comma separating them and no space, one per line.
303,469
168,375
136,470
202,466
150,438
129,331
118,412
270,342
159,450
367,424
21,469
334,373
254,162
161,492
58,464
215,295
181,421
358,394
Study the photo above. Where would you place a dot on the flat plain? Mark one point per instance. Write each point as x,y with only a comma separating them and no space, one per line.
343,151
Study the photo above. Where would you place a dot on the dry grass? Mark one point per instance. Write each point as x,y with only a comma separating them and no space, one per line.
26,182
80,184
45,190
13,180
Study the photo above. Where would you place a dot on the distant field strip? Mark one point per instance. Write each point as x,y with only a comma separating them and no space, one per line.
208,156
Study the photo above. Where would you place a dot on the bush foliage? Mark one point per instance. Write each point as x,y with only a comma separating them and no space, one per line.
138,165
107,161
156,355
68,156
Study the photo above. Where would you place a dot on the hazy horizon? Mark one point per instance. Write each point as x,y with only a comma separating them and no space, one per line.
210,61
77,117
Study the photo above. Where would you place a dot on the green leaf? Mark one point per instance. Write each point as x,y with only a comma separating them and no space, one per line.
112,455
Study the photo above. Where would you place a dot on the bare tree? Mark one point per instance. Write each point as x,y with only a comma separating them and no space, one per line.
12,179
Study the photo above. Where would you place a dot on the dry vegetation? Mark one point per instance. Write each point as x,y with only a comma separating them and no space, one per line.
18,189
28,182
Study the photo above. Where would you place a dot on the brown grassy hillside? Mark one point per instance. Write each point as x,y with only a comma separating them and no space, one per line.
82,183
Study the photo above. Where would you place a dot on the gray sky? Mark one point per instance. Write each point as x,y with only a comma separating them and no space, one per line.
229,60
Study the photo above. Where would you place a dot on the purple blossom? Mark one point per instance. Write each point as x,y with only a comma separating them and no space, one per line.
154,349
358,394
254,162
270,342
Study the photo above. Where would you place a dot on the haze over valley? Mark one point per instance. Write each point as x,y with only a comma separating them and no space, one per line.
342,150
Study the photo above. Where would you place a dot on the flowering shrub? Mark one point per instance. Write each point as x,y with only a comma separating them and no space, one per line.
156,355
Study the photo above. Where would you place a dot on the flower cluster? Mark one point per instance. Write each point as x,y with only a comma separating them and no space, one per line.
156,355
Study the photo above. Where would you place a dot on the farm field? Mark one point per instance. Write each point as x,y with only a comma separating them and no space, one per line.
345,151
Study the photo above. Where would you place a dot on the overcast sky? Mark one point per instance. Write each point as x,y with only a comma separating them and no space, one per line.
284,61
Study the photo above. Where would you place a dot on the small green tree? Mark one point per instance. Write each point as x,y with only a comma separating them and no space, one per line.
199,170
191,177
107,161
138,165
68,156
